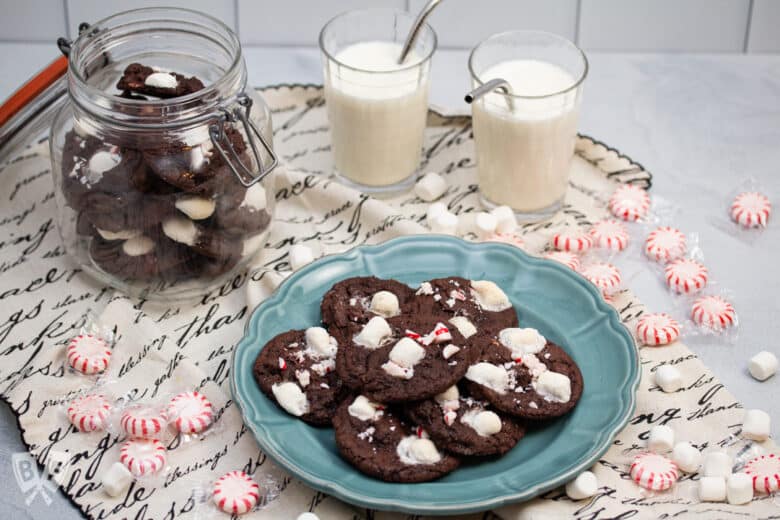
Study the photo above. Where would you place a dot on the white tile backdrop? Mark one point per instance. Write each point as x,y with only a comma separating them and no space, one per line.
608,25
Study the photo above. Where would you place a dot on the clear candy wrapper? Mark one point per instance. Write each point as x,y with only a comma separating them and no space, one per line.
88,353
235,493
747,211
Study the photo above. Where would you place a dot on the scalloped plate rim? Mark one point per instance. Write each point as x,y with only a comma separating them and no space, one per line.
605,438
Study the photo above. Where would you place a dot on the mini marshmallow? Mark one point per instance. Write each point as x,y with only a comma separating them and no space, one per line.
668,378
485,224
117,479
505,219
756,425
445,223
180,229
522,341
661,439
450,394
489,375
103,161
394,369
161,80
373,333
406,353
553,386
300,255
363,409
137,246
489,296
430,187
197,208
124,234
464,326
385,304
739,489
712,489
449,351
434,210
254,198
318,340
485,422
763,365
717,464
415,450
307,516
291,398
687,458
584,486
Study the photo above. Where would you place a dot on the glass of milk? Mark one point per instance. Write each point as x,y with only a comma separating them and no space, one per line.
525,136
376,107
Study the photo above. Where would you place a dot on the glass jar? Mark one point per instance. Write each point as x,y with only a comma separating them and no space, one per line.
160,154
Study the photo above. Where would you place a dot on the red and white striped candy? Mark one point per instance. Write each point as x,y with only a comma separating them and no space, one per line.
751,209
764,470
89,413
609,234
657,329
143,456
143,422
236,493
570,260
686,276
665,244
507,238
603,275
629,202
88,354
572,240
190,412
654,472
713,311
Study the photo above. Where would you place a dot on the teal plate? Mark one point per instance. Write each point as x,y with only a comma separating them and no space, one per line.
565,308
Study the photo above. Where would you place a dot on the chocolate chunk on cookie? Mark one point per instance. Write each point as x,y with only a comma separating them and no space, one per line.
146,81
380,444
402,358
525,375
296,370
357,300
463,425
482,302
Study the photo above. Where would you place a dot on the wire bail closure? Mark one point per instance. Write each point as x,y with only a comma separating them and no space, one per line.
217,133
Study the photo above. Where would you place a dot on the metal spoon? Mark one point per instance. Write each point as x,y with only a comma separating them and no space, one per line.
414,32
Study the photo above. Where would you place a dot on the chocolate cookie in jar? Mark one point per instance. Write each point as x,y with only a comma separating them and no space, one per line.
161,154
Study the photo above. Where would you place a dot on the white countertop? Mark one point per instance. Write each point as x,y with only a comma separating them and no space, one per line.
701,124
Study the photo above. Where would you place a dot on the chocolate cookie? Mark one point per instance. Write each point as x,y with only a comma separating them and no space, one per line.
525,375
296,370
382,445
402,358
138,257
466,426
162,84
482,302
357,300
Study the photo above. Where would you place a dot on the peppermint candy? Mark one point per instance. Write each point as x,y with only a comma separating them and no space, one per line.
764,471
657,329
629,202
89,413
654,472
236,493
665,244
603,275
751,209
714,312
570,260
143,456
190,412
143,422
88,354
572,240
686,276
609,234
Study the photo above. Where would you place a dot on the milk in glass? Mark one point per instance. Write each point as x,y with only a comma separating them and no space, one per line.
377,111
524,145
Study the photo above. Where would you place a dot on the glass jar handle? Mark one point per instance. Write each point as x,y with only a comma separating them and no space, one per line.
231,158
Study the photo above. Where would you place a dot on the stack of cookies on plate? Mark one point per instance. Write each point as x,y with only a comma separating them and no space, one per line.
415,380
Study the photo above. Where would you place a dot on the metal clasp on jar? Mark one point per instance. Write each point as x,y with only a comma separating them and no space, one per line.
228,152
